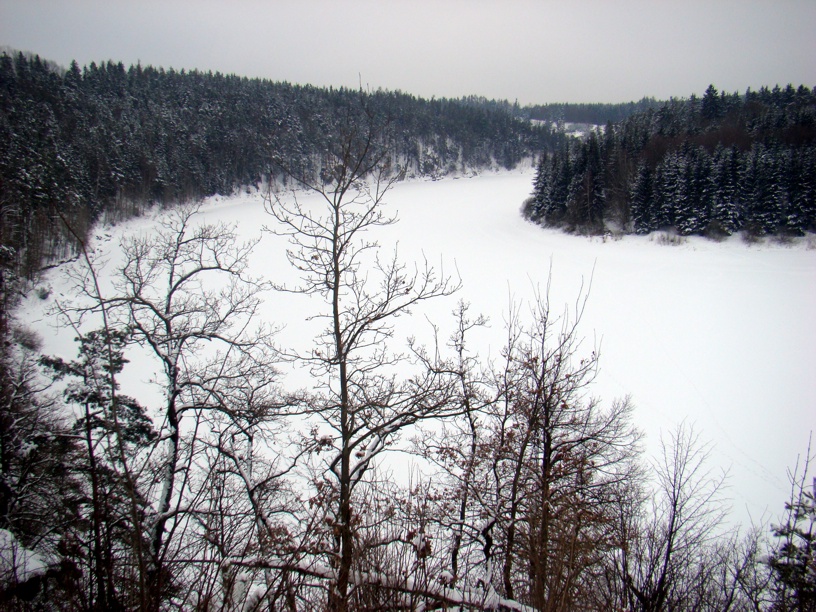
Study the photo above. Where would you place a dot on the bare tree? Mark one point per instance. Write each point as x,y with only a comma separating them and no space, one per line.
562,460
663,559
184,294
534,466
361,398
456,445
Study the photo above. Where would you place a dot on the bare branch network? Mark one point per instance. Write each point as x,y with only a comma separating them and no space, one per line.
239,493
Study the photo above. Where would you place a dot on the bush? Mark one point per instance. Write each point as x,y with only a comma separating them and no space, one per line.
670,239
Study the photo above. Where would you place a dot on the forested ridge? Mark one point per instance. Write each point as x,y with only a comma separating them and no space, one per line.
713,166
106,139
589,113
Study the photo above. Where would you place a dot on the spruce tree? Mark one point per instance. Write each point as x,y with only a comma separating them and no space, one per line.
641,200
724,202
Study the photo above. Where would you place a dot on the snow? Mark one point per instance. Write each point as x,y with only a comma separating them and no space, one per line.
721,335
17,563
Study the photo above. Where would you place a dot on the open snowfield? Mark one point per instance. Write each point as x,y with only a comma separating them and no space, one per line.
720,335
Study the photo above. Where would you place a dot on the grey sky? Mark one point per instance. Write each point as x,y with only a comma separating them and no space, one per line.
533,51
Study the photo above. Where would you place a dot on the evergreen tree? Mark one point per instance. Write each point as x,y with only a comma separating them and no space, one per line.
585,200
793,560
711,105
40,496
700,189
641,200
673,189
114,429
760,191
725,217
541,189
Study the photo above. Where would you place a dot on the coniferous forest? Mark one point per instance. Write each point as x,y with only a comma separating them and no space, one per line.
710,166
592,114
105,140
233,491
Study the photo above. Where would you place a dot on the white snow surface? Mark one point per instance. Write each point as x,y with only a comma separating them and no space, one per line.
17,563
721,335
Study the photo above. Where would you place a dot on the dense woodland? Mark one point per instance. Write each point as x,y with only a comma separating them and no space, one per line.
589,113
237,492
712,166
81,143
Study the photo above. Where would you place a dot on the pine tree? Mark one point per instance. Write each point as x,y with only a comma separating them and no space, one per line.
585,201
758,192
702,189
541,189
641,200
710,107
724,203
793,561
114,429
673,189
694,193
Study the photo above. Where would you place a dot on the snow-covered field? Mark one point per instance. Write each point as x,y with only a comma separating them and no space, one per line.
720,335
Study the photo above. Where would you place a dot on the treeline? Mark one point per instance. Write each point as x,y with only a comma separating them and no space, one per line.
713,166
591,113
106,139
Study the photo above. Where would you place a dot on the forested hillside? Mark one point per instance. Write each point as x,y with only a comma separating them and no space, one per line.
591,113
106,139
713,165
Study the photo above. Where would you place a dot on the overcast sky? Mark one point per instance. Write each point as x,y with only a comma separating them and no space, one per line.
533,51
